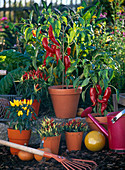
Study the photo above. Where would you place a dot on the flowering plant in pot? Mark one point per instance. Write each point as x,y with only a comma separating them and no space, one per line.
74,130
32,85
50,133
21,121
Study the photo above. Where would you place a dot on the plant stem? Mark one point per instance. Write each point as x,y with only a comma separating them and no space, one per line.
63,60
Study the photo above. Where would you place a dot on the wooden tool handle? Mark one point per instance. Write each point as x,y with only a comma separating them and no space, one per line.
23,148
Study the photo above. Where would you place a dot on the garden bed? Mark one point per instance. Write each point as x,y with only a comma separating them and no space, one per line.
105,159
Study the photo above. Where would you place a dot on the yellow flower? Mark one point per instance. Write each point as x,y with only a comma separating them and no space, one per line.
24,101
116,17
80,7
16,102
28,112
12,104
24,108
99,25
94,16
29,102
106,44
111,0
20,113
115,27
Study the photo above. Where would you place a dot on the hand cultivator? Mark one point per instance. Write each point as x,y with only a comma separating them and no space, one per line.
71,163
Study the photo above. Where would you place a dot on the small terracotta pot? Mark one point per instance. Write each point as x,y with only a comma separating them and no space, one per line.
65,101
52,143
20,138
102,120
73,140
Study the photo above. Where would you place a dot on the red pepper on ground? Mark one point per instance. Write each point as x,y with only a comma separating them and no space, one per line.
93,96
106,96
51,36
45,45
86,112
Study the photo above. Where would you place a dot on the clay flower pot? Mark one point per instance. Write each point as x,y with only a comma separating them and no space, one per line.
52,143
20,138
102,120
65,101
73,140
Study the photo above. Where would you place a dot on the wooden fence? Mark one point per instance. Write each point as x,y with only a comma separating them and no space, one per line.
14,9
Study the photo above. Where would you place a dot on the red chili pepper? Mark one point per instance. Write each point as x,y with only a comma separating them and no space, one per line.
93,96
99,89
86,111
103,107
67,62
68,51
51,36
106,96
57,52
45,45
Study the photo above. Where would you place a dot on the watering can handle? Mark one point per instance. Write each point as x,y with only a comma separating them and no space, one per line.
120,114
98,125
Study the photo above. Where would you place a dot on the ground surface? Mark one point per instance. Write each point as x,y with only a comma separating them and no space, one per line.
105,159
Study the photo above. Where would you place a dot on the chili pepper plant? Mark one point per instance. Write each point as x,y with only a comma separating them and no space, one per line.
48,128
32,84
75,125
20,114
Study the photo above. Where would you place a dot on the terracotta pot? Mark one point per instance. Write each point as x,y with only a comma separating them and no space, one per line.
20,138
73,140
102,120
36,106
65,101
52,143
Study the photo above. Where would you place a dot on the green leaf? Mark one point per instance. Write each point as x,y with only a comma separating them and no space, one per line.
44,4
36,8
2,58
28,34
31,16
64,19
85,82
38,32
82,21
83,4
83,96
57,27
75,82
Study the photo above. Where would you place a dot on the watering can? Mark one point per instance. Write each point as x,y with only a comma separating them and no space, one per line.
116,130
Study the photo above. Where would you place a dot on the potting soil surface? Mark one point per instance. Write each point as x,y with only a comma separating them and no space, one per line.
105,159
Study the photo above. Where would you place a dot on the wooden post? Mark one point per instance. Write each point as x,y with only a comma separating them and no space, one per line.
121,101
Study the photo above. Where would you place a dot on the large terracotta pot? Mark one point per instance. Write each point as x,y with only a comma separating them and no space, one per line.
20,138
52,143
102,120
73,140
65,101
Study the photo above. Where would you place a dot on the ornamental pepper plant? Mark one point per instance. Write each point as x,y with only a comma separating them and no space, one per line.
75,125
48,128
32,84
20,114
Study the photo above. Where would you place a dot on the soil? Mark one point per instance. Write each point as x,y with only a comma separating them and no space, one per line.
105,159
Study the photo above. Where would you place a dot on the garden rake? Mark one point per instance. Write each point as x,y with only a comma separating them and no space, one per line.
69,164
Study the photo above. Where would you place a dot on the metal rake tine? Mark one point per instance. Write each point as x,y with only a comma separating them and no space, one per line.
75,164
65,165
85,164
82,160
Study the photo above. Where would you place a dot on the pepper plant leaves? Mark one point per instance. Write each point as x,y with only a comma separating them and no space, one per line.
85,82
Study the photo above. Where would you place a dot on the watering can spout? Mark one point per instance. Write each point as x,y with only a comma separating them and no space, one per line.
98,125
